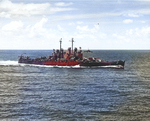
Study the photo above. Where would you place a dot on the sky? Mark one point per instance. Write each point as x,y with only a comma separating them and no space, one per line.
93,24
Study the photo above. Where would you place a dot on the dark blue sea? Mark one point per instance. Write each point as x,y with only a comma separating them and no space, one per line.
47,93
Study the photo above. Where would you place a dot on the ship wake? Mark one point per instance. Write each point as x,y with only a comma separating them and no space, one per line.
9,63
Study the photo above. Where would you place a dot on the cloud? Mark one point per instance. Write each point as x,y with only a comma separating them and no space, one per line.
143,22
89,32
4,15
40,23
139,32
15,29
61,4
131,15
144,0
54,10
127,21
37,30
79,22
137,38
129,32
13,26
9,9
118,36
60,28
136,12
86,29
71,23
18,9
145,31
83,28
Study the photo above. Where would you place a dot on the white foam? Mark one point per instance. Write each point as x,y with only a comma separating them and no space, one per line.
9,62
77,66
112,66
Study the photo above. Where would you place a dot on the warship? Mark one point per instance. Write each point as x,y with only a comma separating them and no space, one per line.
70,57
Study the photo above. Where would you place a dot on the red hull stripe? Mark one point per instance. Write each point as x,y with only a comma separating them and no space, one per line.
71,63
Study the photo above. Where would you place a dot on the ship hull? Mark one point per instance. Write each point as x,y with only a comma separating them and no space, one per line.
47,62
119,63
28,61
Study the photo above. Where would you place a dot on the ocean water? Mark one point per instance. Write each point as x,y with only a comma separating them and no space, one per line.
46,93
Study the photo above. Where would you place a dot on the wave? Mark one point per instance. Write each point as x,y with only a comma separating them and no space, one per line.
8,62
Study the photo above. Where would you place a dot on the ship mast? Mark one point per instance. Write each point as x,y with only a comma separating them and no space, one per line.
72,44
60,49
60,43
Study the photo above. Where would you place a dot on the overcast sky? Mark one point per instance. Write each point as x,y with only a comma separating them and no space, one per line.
94,24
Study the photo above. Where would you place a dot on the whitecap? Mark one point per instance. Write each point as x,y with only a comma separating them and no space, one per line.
8,62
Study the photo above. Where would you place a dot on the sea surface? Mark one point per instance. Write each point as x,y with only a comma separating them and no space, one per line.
47,93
